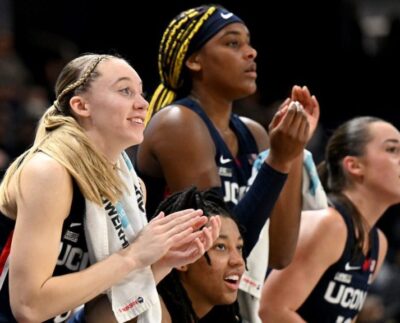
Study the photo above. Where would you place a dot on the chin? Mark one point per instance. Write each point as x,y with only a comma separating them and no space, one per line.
247,91
229,299
137,140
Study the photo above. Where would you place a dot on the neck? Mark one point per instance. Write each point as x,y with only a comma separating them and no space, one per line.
110,152
217,108
370,206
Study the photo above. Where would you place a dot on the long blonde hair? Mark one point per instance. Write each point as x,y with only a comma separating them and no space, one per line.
60,136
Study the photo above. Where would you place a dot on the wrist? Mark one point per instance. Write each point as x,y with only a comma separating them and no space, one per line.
129,259
278,164
160,270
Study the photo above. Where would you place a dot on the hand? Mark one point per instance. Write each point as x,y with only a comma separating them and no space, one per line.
189,251
164,232
310,104
289,132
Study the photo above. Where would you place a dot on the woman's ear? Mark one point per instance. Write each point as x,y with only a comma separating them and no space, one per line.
353,166
193,62
78,105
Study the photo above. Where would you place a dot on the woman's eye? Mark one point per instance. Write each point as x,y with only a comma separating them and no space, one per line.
394,150
220,247
126,91
233,44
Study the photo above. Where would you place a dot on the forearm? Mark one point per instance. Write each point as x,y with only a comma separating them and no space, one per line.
160,271
60,294
285,219
255,207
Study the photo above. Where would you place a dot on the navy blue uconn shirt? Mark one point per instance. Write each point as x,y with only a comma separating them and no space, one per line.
340,294
73,254
234,172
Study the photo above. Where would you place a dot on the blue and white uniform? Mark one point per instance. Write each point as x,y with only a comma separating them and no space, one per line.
73,254
340,293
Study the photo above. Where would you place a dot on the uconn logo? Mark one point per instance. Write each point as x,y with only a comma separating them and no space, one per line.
345,296
72,257
233,192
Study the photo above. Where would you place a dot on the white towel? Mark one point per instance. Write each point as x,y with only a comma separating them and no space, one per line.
109,228
314,198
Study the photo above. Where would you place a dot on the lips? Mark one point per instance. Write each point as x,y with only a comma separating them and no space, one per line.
232,280
137,120
251,70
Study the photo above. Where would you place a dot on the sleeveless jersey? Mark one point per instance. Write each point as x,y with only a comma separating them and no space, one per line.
73,254
340,294
233,171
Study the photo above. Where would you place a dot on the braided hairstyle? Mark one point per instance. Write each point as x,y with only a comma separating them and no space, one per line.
170,288
185,34
349,139
60,136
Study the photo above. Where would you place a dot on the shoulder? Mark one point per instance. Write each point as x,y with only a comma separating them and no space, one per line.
174,116
44,169
326,230
45,178
258,131
176,122
44,190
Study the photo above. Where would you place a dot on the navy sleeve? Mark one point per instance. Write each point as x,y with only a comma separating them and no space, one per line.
255,207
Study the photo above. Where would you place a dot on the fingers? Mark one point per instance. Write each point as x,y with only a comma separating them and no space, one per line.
178,218
316,110
284,104
303,95
183,239
289,118
159,216
278,116
172,216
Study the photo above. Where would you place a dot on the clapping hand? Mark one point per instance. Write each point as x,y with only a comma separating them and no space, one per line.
194,246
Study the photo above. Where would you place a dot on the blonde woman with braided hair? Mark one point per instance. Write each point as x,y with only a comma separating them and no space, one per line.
206,62
72,219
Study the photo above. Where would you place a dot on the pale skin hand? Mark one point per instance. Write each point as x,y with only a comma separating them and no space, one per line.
165,232
35,295
185,253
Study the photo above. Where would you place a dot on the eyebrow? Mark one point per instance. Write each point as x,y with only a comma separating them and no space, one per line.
125,78
225,237
394,141
235,33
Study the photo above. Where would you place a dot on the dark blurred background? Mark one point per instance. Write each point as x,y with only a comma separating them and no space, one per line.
347,52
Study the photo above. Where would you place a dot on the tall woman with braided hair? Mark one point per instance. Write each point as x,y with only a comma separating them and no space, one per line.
76,170
206,62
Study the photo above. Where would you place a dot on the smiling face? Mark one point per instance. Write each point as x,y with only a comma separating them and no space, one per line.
227,62
217,283
114,108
